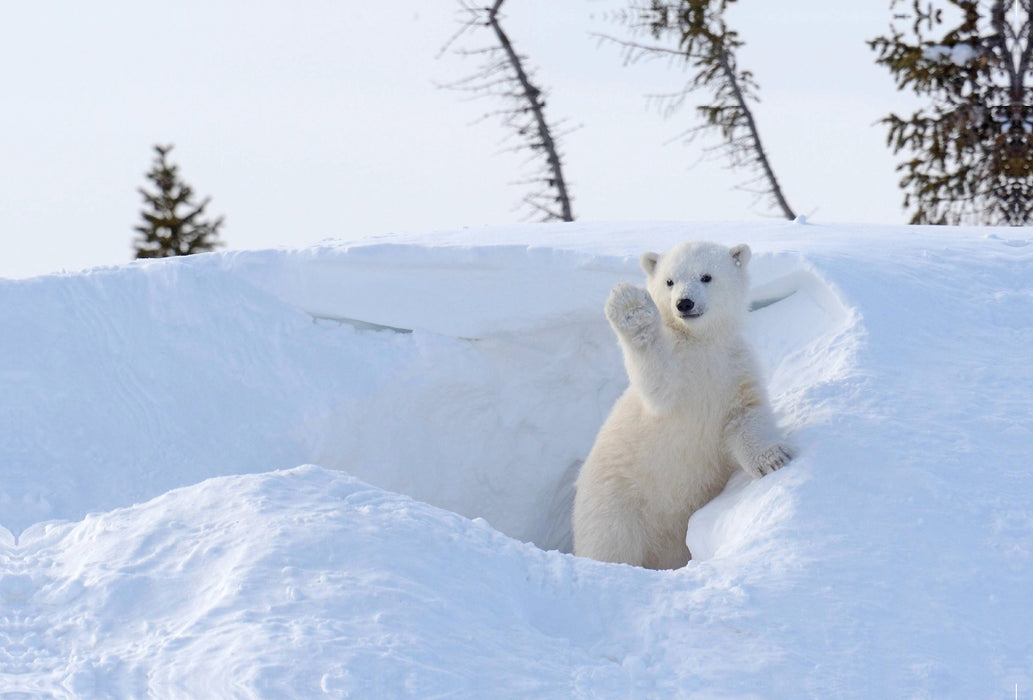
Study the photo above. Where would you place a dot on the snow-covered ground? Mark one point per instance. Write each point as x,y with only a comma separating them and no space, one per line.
346,471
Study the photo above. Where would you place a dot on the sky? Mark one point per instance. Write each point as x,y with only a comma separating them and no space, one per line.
326,119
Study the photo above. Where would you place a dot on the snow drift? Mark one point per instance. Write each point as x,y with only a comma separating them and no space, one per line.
162,538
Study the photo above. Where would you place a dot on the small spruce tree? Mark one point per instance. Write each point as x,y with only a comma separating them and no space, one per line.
173,223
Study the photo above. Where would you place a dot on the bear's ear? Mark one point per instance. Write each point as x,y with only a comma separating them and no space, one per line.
648,261
741,254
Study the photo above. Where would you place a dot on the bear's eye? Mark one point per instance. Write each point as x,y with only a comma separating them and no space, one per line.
705,279
670,283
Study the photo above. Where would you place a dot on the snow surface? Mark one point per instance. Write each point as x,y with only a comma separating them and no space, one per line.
169,533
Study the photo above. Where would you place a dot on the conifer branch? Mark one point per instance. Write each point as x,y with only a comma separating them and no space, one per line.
705,44
969,151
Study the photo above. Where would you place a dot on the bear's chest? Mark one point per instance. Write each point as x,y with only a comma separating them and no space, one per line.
703,383
686,464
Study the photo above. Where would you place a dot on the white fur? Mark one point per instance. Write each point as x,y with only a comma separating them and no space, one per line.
695,409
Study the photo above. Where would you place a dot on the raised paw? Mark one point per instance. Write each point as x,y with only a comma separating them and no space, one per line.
630,308
771,459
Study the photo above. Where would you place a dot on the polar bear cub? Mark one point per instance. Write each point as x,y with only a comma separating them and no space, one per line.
694,411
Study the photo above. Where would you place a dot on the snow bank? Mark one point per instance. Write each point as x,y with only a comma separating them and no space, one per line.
291,584
168,543
473,378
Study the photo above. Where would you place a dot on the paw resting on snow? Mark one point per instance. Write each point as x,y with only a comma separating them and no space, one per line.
630,308
769,460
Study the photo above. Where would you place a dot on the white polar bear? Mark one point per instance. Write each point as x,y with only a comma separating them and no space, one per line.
695,409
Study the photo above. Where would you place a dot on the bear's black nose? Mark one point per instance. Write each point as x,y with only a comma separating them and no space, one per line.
685,305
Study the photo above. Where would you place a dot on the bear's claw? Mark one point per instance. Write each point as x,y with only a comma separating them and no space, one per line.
771,459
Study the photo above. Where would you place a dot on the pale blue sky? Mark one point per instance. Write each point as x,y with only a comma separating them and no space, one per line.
321,119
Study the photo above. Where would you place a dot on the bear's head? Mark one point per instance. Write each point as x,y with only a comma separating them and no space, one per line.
699,287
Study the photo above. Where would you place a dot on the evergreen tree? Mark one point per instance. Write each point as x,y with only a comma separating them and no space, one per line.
970,150
173,223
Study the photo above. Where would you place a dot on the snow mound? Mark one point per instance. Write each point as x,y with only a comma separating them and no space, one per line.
470,378
162,539
220,589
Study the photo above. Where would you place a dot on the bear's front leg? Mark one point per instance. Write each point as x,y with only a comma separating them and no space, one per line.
755,452
751,434
633,314
648,351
